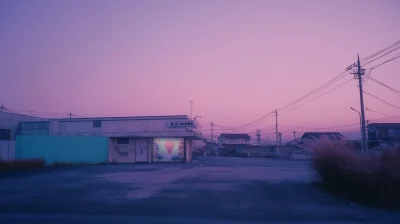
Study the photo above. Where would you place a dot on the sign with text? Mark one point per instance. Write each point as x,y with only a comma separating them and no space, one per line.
180,124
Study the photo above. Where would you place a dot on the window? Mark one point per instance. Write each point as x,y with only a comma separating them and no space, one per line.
5,134
122,141
97,124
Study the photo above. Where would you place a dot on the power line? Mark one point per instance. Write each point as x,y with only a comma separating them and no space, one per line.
377,81
321,95
382,100
381,51
262,119
393,58
315,90
348,125
385,119
380,113
381,56
367,76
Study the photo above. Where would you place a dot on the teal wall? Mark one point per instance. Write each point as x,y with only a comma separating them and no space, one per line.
63,149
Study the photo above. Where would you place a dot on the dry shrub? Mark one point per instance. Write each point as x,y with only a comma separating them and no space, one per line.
369,179
21,164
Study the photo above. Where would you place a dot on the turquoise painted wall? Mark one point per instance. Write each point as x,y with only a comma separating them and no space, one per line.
63,149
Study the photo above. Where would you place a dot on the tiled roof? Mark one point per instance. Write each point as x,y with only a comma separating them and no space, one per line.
319,135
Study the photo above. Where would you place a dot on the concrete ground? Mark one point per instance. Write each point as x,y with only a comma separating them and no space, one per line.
207,190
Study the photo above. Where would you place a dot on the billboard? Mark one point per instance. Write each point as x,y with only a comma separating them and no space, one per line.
168,150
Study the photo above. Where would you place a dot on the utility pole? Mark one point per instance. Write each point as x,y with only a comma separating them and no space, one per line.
191,107
212,126
294,133
70,115
280,138
2,108
358,75
259,136
276,131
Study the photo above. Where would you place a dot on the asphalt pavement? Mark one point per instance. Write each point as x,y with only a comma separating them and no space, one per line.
207,190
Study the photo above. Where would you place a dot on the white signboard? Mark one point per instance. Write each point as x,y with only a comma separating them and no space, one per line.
180,124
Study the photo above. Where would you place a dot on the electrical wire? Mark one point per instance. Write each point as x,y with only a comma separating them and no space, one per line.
321,95
367,109
347,125
381,56
380,51
262,119
379,82
391,59
330,82
382,100
367,76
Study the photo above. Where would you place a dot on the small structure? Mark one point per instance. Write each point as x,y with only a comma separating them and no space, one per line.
229,140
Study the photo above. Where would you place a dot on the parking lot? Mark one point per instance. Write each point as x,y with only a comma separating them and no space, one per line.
209,189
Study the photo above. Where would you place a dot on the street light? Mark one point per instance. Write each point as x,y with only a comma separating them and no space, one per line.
362,136
196,117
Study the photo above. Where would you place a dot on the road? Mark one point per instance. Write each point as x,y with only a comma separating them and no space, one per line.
207,190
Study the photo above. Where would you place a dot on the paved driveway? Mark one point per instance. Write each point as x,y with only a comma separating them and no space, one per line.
208,190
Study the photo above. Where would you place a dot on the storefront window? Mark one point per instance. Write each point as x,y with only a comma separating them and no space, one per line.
168,150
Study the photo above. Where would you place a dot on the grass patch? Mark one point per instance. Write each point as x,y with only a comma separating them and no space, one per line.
372,180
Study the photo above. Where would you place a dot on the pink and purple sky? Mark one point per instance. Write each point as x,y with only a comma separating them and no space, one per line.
237,60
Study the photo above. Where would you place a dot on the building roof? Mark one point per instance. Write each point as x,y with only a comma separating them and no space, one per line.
319,135
124,118
228,135
385,125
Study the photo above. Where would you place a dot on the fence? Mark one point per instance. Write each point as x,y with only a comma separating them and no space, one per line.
7,150
63,149
303,156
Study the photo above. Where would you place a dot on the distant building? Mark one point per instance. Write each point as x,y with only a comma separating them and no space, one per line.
212,148
383,134
309,137
9,123
334,136
226,140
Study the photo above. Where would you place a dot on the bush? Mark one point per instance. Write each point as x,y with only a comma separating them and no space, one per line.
368,179
21,164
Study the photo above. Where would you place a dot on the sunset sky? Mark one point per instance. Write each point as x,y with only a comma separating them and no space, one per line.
237,60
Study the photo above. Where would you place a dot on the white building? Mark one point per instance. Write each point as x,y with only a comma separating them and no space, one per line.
226,139
9,123
131,139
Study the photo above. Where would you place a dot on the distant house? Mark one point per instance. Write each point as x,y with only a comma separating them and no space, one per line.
334,136
212,148
383,133
309,137
226,140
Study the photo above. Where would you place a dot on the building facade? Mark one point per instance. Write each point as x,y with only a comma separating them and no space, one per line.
9,123
383,134
227,140
144,139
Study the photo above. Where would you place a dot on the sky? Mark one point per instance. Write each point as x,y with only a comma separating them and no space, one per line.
237,60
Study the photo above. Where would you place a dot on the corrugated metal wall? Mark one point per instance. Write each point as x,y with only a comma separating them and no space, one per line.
63,149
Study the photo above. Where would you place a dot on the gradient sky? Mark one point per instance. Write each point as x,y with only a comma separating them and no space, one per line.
237,60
